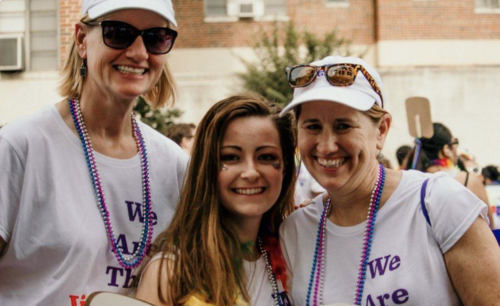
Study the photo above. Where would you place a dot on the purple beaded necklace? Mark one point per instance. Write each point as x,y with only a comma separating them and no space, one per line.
136,258
317,272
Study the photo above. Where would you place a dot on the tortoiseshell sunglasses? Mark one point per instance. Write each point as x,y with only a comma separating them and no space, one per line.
339,75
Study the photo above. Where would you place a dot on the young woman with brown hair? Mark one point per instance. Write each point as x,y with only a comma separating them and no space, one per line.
222,245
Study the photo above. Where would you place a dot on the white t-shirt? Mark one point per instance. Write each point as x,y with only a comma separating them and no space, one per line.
57,248
258,286
406,265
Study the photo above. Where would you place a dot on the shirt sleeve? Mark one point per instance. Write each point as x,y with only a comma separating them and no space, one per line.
452,209
11,179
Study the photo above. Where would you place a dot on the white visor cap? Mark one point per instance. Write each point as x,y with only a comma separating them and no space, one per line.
360,95
98,8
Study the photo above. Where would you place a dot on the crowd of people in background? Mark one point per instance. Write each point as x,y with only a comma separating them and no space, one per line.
441,153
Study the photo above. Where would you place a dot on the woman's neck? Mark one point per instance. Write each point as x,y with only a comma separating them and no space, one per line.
349,203
107,118
351,208
108,123
247,231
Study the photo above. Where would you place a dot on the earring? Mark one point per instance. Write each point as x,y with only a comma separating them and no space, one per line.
83,69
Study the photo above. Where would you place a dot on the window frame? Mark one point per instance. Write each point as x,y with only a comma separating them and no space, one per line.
229,18
486,9
27,36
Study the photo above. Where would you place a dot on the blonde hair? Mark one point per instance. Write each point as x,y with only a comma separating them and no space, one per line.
376,113
164,92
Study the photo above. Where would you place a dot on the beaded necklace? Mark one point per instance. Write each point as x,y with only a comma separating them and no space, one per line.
318,266
272,278
136,258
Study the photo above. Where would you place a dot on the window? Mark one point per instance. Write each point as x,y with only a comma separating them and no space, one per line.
488,4
245,8
275,7
337,3
36,22
216,8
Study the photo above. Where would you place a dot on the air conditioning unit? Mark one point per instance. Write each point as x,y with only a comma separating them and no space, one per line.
11,52
245,8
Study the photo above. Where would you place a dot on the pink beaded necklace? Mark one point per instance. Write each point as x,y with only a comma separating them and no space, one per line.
317,272
136,258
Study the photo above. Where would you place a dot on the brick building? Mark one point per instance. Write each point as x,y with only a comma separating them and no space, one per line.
446,50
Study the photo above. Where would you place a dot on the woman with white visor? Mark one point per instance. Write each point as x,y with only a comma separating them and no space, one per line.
377,236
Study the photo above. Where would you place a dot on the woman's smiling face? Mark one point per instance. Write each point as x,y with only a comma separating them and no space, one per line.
251,174
122,73
338,144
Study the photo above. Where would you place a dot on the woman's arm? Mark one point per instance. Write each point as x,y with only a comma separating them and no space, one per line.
473,265
148,287
476,186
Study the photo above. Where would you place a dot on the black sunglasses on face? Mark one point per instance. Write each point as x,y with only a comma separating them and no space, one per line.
121,35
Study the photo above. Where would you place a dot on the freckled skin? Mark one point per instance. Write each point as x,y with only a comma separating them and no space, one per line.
250,148
331,131
102,76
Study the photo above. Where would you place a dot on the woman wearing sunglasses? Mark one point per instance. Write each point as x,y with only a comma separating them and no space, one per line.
439,153
83,182
222,245
366,241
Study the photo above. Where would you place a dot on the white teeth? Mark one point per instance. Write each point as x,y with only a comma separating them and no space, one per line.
249,191
130,70
331,163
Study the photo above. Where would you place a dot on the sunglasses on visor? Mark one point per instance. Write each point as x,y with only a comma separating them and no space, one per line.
121,35
339,75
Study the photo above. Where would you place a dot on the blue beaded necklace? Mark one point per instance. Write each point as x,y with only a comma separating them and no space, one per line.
137,257
317,271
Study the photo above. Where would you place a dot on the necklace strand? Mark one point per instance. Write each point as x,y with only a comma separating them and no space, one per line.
270,274
318,266
136,258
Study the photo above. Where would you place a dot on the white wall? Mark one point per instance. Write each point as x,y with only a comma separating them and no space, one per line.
466,100
24,93
438,53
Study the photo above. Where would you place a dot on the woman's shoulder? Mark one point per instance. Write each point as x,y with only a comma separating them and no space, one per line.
32,129
308,214
415,177
30,124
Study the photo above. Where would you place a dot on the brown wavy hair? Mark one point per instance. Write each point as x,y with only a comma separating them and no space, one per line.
205,249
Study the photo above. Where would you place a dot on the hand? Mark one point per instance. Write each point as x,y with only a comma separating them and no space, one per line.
303,204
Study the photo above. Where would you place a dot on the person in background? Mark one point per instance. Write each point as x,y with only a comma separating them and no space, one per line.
366,240
402,156
83,182
467,162
222,246
182,134
491,175
439,153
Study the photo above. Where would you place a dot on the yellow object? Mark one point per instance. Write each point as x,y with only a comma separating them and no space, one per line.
199,299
